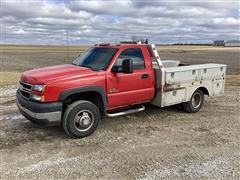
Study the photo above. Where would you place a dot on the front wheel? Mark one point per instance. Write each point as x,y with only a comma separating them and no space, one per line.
81,119
195,103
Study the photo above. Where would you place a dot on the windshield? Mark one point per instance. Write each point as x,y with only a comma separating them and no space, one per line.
96,58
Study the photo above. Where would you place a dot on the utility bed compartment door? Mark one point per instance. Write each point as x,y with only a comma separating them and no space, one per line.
174,97
218,87
216,76
194,72
173,77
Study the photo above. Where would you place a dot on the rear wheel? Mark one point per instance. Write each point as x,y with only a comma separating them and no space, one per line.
81,119
195,103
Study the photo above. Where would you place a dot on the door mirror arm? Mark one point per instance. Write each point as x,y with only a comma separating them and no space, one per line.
115,69
127,67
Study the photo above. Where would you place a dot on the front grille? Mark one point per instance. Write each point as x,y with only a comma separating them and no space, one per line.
25,86
25,89
25,94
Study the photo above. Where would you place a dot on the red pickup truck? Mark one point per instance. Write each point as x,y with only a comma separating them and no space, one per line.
111,80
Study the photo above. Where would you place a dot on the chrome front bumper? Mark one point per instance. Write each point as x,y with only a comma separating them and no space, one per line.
41,113
49,116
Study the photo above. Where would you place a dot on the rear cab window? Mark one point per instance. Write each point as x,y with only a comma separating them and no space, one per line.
135,54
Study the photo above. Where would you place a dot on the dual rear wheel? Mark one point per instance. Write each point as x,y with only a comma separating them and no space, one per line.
195,103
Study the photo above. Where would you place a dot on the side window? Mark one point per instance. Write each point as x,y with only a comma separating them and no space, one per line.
135,54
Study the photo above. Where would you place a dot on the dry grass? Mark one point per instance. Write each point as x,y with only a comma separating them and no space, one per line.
40,48
198,48
233,80
9,78
19,58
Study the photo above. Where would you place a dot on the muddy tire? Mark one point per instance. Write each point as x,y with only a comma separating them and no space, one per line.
195,103
80,119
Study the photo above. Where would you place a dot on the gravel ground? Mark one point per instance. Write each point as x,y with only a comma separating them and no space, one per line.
155,144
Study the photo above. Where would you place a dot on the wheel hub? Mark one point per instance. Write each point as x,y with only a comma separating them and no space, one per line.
196,100
84,120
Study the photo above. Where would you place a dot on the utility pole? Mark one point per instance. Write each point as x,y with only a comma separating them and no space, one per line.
180,40
67,47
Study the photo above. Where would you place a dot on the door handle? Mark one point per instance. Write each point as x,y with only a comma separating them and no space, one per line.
144,76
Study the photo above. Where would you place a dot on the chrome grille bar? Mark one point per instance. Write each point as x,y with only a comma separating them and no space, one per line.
26,86
25,89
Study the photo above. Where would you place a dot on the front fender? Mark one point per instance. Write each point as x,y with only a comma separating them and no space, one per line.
100,90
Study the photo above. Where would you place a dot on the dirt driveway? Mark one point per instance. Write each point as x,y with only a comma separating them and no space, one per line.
157,143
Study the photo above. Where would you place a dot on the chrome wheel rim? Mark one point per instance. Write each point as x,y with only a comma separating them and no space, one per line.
83,120
196,100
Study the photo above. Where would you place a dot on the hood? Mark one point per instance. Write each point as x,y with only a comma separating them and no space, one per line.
52,74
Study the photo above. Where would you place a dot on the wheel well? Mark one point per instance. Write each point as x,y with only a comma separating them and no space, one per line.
91,96
204,90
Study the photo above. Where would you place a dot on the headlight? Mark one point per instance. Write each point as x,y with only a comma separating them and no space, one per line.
37,97
39,88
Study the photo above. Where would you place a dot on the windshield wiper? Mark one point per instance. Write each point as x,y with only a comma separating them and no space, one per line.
89,67
86,66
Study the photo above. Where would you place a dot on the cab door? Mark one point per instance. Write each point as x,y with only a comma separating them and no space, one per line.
128,89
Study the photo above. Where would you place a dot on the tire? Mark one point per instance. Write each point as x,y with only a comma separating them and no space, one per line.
80,119
195,103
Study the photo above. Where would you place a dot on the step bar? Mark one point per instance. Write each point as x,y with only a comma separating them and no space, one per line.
130,111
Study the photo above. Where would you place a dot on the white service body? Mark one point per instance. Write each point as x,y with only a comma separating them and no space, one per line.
175,84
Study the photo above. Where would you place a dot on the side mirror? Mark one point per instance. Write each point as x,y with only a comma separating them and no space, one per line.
116,69
127,66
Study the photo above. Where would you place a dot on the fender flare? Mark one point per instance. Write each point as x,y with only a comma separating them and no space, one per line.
65,94
205,90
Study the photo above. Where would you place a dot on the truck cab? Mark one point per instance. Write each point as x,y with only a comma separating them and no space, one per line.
111,80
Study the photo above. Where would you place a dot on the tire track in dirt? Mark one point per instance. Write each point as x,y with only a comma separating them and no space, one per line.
157,143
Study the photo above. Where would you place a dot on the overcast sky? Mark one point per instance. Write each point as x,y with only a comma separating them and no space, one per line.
90,22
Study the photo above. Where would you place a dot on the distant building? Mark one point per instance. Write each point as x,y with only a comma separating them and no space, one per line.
232,43
219,43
